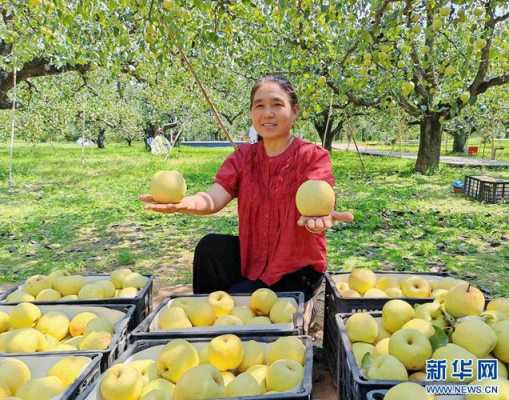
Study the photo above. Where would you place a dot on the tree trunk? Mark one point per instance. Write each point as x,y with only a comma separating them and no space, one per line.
460,139
100,138
328,133
428,156
129,141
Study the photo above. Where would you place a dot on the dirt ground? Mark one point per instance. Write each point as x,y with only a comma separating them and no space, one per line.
323,387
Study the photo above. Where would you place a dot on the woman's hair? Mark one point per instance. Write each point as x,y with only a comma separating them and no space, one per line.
283,84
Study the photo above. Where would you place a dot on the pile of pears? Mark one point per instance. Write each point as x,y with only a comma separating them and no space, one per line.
60,286
362,282
25,329
17,381
226,366
456,325
219,309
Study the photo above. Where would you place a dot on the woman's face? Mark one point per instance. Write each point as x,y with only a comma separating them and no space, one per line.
272,113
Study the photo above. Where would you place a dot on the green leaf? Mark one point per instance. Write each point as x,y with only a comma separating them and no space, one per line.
439,339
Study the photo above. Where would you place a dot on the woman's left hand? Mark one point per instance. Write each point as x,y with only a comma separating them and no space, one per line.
320,224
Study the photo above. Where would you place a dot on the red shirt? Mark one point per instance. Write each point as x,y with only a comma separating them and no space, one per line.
271,242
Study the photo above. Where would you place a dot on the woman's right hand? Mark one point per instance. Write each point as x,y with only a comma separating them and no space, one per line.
187,204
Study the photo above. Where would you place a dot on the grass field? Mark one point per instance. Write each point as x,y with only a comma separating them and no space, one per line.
85,216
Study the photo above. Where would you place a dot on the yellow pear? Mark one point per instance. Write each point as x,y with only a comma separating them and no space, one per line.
155,394
173,318
225,352
228,320
362,327
56,274
129,292
463,300
501,305
14,373
244,384
260,320
284,375
262,300
176,358
382,347
54,323
168,187
315,198
394,292
227,377
121,382
24,315
431,312
118,277
96,341
416,287
418,376
475,336
18,296
446,283
406,391
395,314
451,352
68,285
79,323
71,297
387,367
69,368
439,294
375,293
501,350
25,340
4,321
200,383
382,333
201,313
348,294
98,325
259,372
386,282
41,388
492,317
107,287
282,311
159,384
253,354
243,312
360,349
4,391
411,347
48,295
362,279
342,286
221,302
91,291
36,283
203,353
287,347
135,280
147,369
420,325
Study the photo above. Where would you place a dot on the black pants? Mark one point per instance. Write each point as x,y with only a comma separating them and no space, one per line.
216,266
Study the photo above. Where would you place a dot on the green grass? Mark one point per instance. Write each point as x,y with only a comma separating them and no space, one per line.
86,217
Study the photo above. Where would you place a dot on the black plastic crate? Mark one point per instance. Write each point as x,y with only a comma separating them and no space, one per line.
353,385
119,341
143,330
303,394
486,188
142,301
335,304
376,395
86,379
